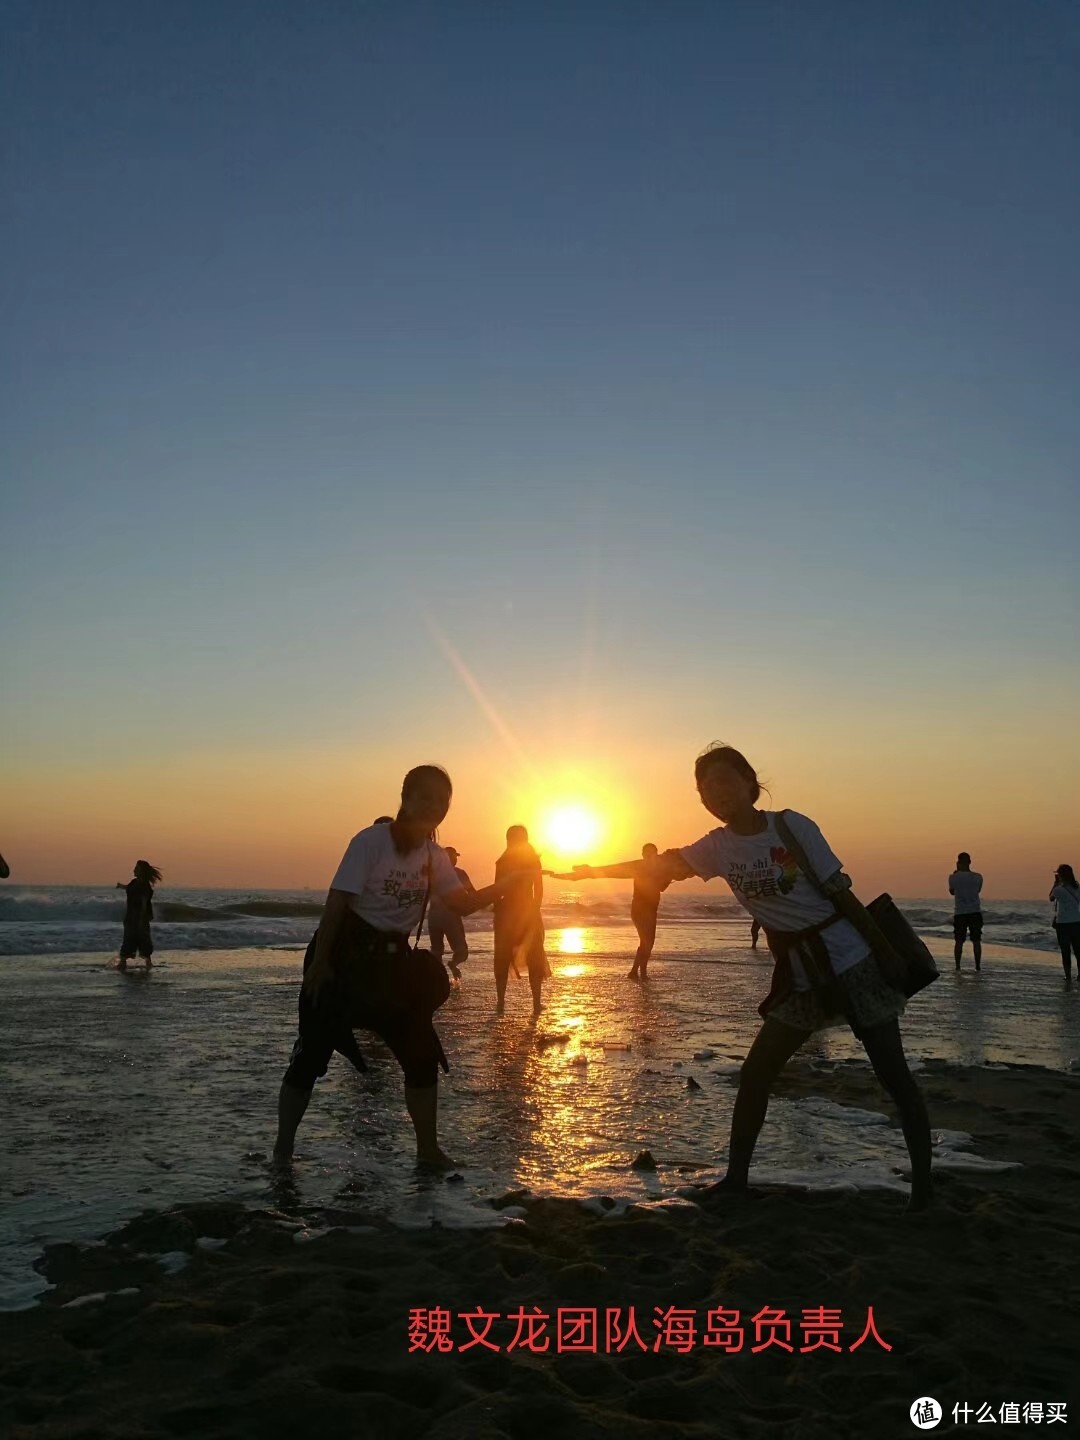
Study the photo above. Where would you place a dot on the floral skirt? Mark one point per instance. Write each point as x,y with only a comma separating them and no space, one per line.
870,999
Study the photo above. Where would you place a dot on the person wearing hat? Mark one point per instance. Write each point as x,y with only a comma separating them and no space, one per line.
445,925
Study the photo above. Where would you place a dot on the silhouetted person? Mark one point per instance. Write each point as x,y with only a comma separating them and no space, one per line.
644,905
446,924
375,902
965,885
755,931
825,972
519,928
1066,898
137,939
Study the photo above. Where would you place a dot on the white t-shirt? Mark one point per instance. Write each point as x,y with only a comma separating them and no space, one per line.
1066,905
387,889
766,880
965,886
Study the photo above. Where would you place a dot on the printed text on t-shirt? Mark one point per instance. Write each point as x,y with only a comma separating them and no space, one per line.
773,876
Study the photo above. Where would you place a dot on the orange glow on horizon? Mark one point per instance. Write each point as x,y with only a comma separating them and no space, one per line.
280,816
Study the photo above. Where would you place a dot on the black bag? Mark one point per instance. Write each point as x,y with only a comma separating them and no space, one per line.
379,970
905,962
384,972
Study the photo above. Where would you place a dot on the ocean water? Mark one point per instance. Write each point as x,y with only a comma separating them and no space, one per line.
123,1093
71,919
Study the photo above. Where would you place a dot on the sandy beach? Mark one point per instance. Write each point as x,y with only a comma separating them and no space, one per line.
286,1323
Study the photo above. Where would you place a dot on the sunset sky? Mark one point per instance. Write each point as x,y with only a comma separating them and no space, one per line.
544,391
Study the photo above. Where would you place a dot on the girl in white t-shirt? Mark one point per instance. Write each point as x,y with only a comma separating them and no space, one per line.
379,891
825,973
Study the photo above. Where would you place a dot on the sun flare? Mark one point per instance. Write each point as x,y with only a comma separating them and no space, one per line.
571,831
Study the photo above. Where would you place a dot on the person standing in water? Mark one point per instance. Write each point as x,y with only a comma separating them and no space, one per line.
519,927
965,886
446,924
825,972
644,906
375,902
755,931
1066,897
137,939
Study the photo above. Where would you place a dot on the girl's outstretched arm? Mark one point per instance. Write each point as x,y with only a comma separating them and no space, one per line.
467,902
660,868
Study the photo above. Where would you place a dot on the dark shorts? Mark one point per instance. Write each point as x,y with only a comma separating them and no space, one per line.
963,925
136,942
329,1026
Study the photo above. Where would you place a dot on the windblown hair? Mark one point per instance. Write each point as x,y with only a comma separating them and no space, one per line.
718,754
145,871
1066,876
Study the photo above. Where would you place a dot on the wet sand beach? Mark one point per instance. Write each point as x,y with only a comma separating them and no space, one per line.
294,1322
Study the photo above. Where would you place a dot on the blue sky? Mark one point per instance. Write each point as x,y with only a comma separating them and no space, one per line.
658,351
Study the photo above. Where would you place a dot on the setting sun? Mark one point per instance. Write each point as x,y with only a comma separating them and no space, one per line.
571,830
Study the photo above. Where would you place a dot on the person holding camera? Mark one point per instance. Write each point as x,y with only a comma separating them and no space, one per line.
360,971
1066,897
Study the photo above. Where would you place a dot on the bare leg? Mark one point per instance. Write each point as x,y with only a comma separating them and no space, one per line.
458,955
772,1049
634,972
291,1106
885,1049
645,925
1063,944
422,1103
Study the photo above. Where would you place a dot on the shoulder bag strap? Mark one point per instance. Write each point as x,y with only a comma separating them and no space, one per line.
427,895
784,830
858,914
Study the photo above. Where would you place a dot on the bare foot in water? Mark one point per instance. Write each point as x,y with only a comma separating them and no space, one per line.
725,1188
436,1159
